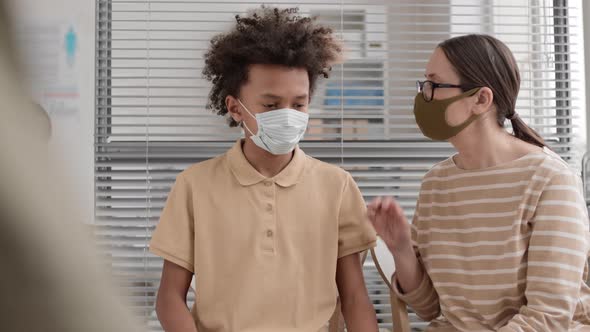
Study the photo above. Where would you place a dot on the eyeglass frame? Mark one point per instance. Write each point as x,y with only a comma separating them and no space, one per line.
420,88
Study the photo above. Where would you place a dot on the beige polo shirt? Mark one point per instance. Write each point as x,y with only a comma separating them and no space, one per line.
263,250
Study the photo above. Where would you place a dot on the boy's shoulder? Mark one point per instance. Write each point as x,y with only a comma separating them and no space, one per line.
206,169
324,171
318,170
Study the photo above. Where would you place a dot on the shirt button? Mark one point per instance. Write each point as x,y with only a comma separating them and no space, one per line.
268,183
269,233
269,207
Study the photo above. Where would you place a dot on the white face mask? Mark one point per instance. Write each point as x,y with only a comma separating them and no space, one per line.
279,131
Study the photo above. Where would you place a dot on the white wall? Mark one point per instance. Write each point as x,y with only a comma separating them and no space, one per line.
72,123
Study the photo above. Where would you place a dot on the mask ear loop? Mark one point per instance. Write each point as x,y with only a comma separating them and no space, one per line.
248,129
466,94
244,123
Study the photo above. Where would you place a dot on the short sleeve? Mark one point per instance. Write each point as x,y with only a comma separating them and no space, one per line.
173,238
355,233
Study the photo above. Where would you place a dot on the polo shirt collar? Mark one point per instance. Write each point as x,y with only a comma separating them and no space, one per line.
247,175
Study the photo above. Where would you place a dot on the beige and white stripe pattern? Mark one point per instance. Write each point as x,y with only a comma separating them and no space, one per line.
504,248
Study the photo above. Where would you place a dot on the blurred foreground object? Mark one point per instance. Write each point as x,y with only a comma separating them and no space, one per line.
51,278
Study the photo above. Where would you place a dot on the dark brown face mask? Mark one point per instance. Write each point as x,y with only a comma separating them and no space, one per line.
430,116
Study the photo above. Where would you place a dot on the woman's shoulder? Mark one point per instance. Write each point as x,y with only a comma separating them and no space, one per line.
553,165
440,168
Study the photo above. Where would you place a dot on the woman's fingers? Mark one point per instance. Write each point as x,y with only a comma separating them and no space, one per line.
373,209
383,212
380,217
394,210
371,213
377,203
385,205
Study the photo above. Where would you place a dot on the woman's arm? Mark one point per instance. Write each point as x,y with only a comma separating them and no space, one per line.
557,253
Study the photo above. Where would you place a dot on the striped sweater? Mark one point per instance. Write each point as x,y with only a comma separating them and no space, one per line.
504,248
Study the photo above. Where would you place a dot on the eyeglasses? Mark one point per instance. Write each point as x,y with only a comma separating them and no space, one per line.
427,88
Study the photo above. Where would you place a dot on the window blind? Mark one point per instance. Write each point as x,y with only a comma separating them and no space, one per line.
151,120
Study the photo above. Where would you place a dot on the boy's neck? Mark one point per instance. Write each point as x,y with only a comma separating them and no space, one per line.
263,161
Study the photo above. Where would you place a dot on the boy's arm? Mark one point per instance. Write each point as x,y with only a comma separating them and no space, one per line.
171,307
173,240
357,309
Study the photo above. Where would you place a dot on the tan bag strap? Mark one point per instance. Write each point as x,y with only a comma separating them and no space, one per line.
399,312
380,270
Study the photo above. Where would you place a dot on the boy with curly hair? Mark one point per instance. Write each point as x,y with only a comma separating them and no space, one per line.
271,235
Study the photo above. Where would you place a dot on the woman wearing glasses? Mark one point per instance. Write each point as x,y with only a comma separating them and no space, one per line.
499,240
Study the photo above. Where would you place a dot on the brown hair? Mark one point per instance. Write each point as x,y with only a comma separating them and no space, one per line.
267,35
482,60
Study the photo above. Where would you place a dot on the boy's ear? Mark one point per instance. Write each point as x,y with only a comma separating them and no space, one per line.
234,108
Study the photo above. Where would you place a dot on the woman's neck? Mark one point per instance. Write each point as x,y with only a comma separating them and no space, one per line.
484,145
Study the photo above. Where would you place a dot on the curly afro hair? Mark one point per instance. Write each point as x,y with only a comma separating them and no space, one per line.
267,35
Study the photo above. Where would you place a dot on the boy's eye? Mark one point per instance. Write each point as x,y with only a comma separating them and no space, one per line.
269,105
